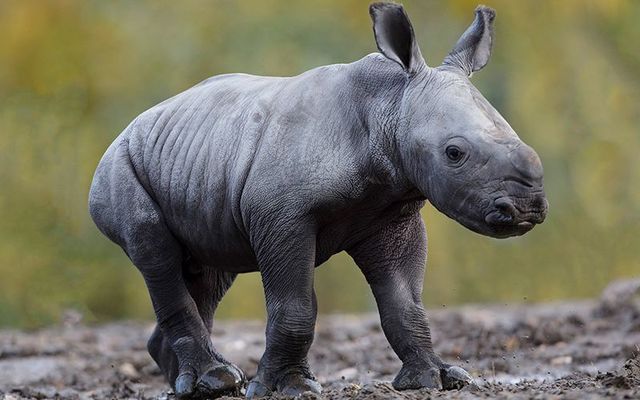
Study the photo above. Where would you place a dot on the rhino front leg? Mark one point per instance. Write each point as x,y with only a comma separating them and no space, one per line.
287,266
393,262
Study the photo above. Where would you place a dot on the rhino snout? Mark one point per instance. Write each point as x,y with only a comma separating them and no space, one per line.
520,214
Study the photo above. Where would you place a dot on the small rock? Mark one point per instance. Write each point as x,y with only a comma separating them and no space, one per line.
562,360
128,370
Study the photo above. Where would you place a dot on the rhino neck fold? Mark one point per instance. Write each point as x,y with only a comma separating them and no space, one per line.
377,89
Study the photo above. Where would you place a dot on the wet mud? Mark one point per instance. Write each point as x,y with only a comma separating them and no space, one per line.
575,350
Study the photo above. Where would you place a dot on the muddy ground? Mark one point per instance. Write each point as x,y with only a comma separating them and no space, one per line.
565,350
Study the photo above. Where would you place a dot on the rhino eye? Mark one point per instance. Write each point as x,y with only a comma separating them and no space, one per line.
454,153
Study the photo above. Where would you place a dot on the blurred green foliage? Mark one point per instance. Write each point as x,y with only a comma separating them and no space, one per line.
74,73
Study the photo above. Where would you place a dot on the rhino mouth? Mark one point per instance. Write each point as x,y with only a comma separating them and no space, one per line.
512,218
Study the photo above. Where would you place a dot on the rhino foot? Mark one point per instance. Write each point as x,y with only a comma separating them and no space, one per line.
219,380
292,383
256,389
208,376
454,378
446,377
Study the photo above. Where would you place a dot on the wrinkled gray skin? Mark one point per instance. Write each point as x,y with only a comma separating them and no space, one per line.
243,173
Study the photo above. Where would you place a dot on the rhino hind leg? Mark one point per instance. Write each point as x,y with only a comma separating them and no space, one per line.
162,354
207,287
125,212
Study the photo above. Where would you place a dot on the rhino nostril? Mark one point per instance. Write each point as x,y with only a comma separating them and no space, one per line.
505,206
541,204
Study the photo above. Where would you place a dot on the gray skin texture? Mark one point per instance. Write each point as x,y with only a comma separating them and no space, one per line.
244,173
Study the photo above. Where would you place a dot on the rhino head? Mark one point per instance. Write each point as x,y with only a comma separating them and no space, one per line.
452,144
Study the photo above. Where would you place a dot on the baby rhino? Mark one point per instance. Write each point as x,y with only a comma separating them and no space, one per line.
244,173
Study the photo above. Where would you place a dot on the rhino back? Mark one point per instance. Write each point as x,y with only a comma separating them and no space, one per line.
234,151
235,144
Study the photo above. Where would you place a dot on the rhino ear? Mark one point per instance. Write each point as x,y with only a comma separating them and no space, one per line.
394,35
473,49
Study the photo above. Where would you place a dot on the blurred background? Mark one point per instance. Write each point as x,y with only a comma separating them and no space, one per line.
73,74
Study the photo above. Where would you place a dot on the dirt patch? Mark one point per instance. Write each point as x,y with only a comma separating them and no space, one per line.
565,350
